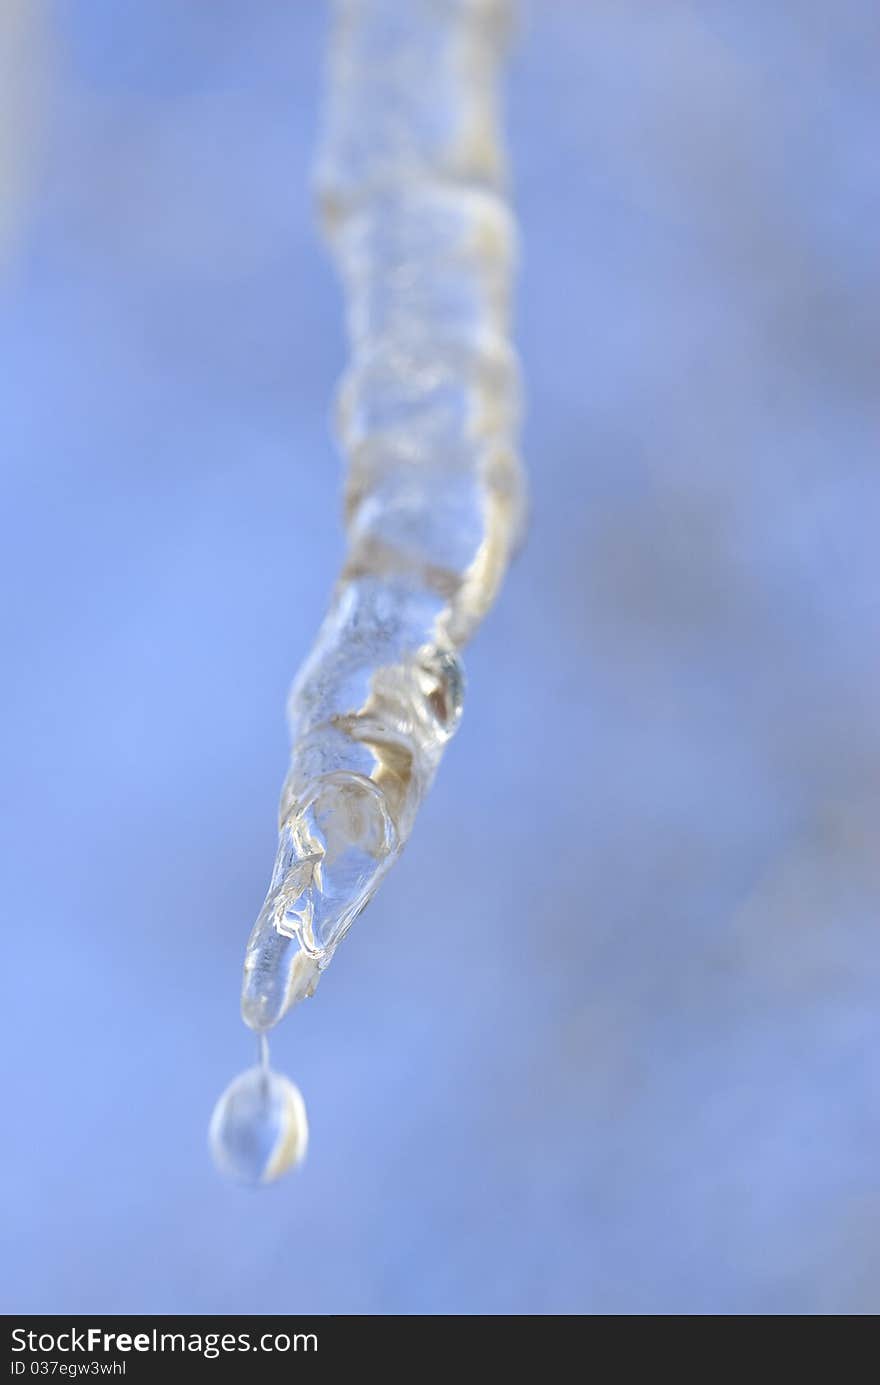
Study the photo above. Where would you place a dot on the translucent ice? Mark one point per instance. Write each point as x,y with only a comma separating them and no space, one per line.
411,182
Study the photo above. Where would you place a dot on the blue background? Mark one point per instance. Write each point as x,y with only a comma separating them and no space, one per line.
607,1040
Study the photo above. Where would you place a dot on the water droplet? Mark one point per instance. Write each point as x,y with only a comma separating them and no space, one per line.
259,1128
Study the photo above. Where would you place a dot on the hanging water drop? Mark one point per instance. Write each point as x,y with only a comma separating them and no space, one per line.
259,1128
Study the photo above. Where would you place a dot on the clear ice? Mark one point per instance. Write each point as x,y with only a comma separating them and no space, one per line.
411,187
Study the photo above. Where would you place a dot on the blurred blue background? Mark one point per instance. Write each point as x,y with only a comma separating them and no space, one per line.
607,1040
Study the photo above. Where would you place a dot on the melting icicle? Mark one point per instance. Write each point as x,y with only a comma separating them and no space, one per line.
412,193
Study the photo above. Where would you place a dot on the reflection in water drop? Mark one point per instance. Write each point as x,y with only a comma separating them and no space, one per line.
259,1128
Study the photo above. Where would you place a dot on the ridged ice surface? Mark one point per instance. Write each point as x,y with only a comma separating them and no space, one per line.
411,189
